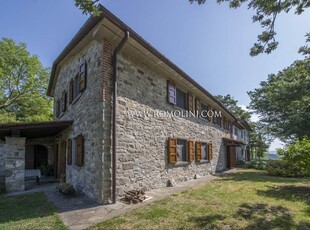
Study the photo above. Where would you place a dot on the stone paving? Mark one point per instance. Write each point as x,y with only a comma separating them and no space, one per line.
79,212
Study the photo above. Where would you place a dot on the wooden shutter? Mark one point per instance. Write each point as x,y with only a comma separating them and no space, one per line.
71,91
69,159
82,77
198,151
210,152
198,106
79,150
190,151
62,158
57,108
190,102
171,93
63,101
172,150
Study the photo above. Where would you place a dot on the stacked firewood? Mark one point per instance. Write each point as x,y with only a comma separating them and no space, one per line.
134,196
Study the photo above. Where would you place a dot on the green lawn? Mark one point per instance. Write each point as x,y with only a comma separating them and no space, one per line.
248,199
28,212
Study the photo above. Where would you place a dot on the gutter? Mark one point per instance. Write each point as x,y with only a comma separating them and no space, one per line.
114,64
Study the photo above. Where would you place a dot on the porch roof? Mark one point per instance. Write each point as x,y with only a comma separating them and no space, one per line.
33,129
230,141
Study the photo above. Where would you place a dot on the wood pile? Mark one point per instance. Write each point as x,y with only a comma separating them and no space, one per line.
134,196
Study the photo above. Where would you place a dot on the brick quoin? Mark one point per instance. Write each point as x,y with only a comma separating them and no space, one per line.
106,70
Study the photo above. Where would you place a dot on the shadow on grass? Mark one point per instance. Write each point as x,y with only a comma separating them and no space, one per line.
16,208
260,176
252,216
263,216
288,192
208,221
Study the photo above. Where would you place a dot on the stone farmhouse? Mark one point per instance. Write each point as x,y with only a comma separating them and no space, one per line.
119,120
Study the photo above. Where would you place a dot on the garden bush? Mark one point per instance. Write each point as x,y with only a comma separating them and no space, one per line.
257,164
284,169
298,154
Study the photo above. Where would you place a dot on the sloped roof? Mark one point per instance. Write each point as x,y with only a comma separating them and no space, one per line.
105,13
33,129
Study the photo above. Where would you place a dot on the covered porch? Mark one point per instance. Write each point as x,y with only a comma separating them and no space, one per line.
28,151
236,151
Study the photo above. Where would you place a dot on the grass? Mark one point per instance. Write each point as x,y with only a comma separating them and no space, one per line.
28,212
248,199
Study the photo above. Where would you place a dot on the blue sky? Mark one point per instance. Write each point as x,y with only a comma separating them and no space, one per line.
210,42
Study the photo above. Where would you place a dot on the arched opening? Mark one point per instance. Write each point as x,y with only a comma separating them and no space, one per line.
36,157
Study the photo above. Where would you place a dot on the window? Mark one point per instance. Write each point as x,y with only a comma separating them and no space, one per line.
181,150
217,120
177,97
236,131
181,99
204,151
204,111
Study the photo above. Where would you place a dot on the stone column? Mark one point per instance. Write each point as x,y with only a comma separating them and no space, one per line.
14,164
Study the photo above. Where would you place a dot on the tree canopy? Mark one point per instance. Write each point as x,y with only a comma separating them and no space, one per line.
266,12
232,105
283,101
23,84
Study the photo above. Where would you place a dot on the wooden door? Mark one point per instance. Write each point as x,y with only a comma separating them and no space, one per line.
231,156
62,158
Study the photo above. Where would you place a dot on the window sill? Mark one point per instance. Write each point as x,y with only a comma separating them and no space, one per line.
203,162
181,163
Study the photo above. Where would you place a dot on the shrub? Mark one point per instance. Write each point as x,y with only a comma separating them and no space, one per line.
284,169
298,154
257,164
66,189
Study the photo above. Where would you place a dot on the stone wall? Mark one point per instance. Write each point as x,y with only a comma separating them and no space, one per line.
142,140
87,113
14,164
2,166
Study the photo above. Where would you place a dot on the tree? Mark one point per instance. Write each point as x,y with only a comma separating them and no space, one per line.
283,101
259,142
88,6
232,105
266,12
298,154
23,84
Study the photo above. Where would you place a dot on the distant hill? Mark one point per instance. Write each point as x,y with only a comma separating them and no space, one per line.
273,155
